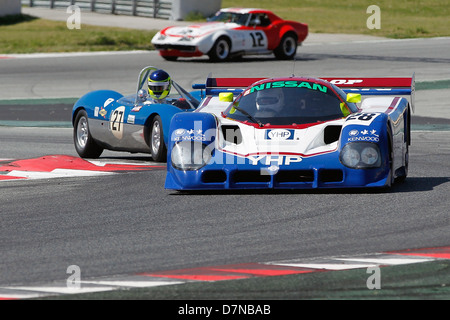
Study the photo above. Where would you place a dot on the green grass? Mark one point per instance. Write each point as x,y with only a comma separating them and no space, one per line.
25,34
399,19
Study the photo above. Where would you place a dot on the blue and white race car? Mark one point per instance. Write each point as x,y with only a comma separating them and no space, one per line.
106,119
293,133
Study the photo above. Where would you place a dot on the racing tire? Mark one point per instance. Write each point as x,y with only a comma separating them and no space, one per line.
287,49
85,145
220,51
170,58
391,178
403,171
157,146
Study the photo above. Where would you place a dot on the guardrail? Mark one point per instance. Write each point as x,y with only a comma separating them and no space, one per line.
145,8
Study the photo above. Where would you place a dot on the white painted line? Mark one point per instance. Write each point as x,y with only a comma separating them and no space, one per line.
57,173
65,289
325,266
72,54
388,261
102,163
133,284
20,295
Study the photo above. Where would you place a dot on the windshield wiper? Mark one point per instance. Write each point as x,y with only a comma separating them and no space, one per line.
248,115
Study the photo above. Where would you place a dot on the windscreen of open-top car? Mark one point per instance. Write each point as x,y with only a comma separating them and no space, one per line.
286,103
239,18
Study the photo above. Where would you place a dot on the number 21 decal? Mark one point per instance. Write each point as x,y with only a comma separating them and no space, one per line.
116,122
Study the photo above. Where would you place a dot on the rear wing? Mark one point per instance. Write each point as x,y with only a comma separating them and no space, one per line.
363,86
377,86
214,86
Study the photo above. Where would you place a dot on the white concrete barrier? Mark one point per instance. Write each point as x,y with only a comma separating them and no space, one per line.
8,7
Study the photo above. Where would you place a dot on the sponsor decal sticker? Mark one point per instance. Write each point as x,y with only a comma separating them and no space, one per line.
269,160
190,135
288,84
279,134
364,135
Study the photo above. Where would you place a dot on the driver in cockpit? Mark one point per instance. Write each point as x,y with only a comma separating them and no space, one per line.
269,102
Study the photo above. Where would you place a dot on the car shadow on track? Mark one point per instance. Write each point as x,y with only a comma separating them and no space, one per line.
245,59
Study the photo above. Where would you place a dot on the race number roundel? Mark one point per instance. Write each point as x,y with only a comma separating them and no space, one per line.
116,122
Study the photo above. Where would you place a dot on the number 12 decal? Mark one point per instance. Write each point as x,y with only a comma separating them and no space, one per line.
116,122
257,39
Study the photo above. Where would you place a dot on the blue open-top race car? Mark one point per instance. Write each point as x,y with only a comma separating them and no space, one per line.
106,119
293,133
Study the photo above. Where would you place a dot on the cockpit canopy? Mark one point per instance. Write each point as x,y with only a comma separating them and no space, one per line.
290,101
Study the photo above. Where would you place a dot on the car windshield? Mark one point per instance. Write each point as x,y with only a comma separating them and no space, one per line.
233,17
286,103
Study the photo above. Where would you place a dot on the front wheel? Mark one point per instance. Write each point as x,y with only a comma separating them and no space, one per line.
157,145
85,145
170,58
220,50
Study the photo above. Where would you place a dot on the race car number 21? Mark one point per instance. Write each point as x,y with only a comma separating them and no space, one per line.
116,122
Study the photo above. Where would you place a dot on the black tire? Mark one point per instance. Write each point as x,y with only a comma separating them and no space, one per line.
221,50
170,58
287,49
156,140
85,145
403,171
391,159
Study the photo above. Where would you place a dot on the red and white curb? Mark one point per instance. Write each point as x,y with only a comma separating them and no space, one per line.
227,272
61,166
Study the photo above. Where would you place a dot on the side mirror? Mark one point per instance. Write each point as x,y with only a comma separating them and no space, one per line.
354,97
226,97
142,95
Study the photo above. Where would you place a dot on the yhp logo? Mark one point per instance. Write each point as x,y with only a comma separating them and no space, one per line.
279,134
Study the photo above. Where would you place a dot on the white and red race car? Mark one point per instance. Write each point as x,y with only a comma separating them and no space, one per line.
233,32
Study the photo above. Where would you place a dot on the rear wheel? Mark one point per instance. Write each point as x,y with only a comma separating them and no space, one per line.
157,145
85,145
287,48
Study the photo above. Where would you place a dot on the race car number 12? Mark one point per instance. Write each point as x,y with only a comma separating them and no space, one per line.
257,39
116,122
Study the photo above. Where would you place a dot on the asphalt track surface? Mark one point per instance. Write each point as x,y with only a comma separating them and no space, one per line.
128,223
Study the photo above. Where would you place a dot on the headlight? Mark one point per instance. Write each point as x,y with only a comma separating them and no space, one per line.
369,155
350,157
190,155
360,155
